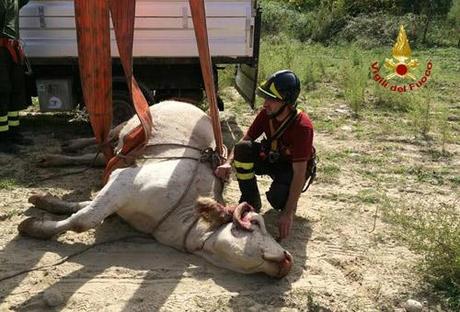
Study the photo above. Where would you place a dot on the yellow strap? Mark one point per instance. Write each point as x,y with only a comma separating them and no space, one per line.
13,114
274,145
243,165
13,123
245,176
4,128
3,118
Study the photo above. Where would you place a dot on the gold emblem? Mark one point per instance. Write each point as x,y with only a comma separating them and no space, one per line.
401,53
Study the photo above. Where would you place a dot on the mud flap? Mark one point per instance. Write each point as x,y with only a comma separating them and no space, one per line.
246,82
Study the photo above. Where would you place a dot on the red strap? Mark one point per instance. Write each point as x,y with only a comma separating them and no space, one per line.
199,23
93,36
132,147
123,15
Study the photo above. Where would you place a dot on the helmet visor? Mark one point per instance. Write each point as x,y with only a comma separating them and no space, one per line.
268,91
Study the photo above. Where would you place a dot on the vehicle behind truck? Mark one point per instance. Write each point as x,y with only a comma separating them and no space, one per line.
165,55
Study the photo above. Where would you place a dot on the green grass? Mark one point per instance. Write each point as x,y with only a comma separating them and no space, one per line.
369,196
328,173
432,229
8,184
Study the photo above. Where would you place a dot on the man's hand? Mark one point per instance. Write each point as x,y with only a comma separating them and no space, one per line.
285,224
223,171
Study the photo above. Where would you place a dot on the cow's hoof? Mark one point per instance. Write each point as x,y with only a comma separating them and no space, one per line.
34,227
37,198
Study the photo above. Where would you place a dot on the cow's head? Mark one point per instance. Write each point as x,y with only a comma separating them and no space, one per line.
240,242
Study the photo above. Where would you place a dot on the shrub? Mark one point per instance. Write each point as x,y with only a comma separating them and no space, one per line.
386,100
421,112
434,231
371,23
354,81
444,128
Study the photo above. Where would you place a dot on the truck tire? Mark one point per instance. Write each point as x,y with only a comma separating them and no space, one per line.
122,107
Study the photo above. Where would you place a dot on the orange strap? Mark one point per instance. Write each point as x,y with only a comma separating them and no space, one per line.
199,23
123,16
93,34
93,37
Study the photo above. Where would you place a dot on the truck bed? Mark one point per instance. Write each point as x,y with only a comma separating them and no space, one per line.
163,29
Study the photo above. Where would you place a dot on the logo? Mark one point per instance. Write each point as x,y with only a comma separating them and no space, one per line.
401,66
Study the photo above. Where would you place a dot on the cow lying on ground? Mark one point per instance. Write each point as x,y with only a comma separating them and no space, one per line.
161,194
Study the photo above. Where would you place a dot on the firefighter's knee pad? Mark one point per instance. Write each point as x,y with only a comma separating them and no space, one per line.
277,195
244,160
244,151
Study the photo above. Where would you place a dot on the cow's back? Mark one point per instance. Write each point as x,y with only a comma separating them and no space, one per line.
176,123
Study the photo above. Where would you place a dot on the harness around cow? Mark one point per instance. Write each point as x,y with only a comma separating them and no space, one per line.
206,155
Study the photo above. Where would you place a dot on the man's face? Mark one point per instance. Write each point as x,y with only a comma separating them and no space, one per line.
272,106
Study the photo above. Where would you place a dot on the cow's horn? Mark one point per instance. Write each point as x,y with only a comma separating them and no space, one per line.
239,216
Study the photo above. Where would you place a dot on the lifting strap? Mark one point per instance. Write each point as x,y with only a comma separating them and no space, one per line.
93,34
199,23
93,37
123,16
92,20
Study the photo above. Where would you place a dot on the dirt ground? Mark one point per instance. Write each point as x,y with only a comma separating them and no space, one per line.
342,263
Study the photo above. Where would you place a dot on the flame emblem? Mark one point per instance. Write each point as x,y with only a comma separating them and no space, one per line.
401,53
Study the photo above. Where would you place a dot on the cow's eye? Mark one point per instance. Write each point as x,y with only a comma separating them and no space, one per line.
255,222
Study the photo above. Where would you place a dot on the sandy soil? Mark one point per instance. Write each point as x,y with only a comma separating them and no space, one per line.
341,262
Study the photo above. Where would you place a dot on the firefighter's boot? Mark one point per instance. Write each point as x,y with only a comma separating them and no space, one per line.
250,193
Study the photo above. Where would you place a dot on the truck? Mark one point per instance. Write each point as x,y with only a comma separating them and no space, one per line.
165,55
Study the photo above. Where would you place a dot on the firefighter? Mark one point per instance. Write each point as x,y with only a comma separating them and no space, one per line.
285,154
12,78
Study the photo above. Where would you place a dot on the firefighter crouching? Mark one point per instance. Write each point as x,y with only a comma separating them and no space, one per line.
13,96
286,154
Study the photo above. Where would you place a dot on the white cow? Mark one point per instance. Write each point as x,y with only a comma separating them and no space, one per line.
161,195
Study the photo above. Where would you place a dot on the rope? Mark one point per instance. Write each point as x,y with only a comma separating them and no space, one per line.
176,205
206,155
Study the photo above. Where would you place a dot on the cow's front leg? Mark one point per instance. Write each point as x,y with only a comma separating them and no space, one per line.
55,205
107,202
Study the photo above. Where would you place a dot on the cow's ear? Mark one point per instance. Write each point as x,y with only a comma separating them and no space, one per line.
212,211
205,205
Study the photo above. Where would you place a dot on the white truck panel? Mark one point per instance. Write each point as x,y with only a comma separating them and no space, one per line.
162,29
